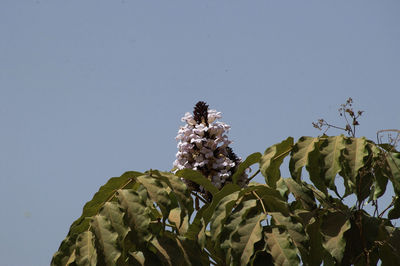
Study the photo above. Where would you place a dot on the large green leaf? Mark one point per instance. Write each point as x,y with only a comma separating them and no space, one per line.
181,221
115,215
316,249
220,214
137,213
301,193
157,192
247,234
231,191
250,160
282,249
353,160
86,252
296,232
232,224
331,150
198,178
300,155
333,227
272,160
175,251
107,239
180,190
105,193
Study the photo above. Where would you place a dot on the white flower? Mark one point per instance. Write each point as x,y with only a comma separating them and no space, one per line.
213,115
203,146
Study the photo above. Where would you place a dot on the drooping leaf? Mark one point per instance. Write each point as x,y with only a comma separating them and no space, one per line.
331,150
282,250
137,213
380,182
198,178
105,193
353,160
301,193
196,225
176,218
174,251
272,160
296,232
115,215
333,227
107,239
220,214
317,251
179,189
233,223
86,252
231,191
250,160
244,238
157,192
300,155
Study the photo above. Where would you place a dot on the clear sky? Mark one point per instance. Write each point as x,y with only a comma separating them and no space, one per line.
91,89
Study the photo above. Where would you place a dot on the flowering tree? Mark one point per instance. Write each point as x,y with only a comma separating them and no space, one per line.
156,218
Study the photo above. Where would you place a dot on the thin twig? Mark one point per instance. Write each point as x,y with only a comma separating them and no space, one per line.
199,197
388,207
262,204
254,175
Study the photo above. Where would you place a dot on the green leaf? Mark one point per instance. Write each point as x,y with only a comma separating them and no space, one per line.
282,250
107,239
220,214
231,191
232,223
300,155
333,227
196,225
301,193
272,160
180,190
248,233
175,252
354,153
175,216
86,252
380,183
295,230
157,192
331,150
114,213
316,248
136,211
250,160
393,160
105,193
198,178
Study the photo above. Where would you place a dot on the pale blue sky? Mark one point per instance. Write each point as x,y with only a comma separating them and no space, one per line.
91,89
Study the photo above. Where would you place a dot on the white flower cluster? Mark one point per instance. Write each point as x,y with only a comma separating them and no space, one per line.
204,147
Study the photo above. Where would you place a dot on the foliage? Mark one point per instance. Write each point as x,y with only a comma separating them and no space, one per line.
151,218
